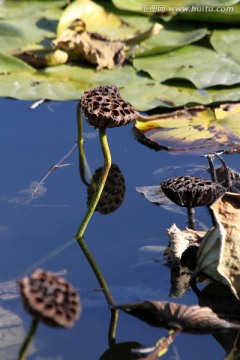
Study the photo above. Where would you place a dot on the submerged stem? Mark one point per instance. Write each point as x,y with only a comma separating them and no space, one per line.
28,339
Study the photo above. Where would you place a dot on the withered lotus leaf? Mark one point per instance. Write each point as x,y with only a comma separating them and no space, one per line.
180,240
219,252
95,48
191,319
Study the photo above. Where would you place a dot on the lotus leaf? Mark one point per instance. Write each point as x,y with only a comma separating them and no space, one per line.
219,252
96,49
170,38
194,128
187,63
190,319
226,42
40,17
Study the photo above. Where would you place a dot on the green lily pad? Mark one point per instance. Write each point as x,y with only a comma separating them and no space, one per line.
15,34
202,66
29,25
170,38
65,82
227,42
145,94
28,8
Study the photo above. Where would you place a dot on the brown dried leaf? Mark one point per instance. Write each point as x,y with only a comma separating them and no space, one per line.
95,48
219,252
180,279
190,319
180,240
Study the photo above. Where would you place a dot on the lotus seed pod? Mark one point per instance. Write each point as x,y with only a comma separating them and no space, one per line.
113,192
103,107
50,299
191,191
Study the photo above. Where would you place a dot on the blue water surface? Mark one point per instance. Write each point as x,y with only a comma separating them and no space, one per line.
38,231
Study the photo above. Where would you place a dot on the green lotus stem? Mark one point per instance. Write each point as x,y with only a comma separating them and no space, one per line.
101,183
28,339
113,327
83,165
89,213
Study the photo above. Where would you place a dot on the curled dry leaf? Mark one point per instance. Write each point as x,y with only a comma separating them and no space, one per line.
180,240
43,58
95,48
219,252
191,319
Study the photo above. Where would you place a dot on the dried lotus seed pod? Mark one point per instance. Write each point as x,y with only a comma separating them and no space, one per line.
50,299
191,191
103,107
113,192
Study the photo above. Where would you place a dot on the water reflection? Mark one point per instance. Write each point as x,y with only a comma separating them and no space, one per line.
222,302
26,196
113,192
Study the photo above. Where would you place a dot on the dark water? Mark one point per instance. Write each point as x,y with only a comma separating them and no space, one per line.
37,232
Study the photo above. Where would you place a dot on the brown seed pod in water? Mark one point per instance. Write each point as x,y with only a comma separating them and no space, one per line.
113,192
191,191
103,107
191,319
50,298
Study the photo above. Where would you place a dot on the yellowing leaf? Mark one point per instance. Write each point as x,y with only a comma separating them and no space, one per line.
219,253
195,128
94,15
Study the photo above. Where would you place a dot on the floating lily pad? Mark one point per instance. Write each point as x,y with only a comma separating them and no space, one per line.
30,24
65,82
202,66
227,42
197,129
28,8
170,38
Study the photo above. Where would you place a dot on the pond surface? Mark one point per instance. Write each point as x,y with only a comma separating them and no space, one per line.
38,231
